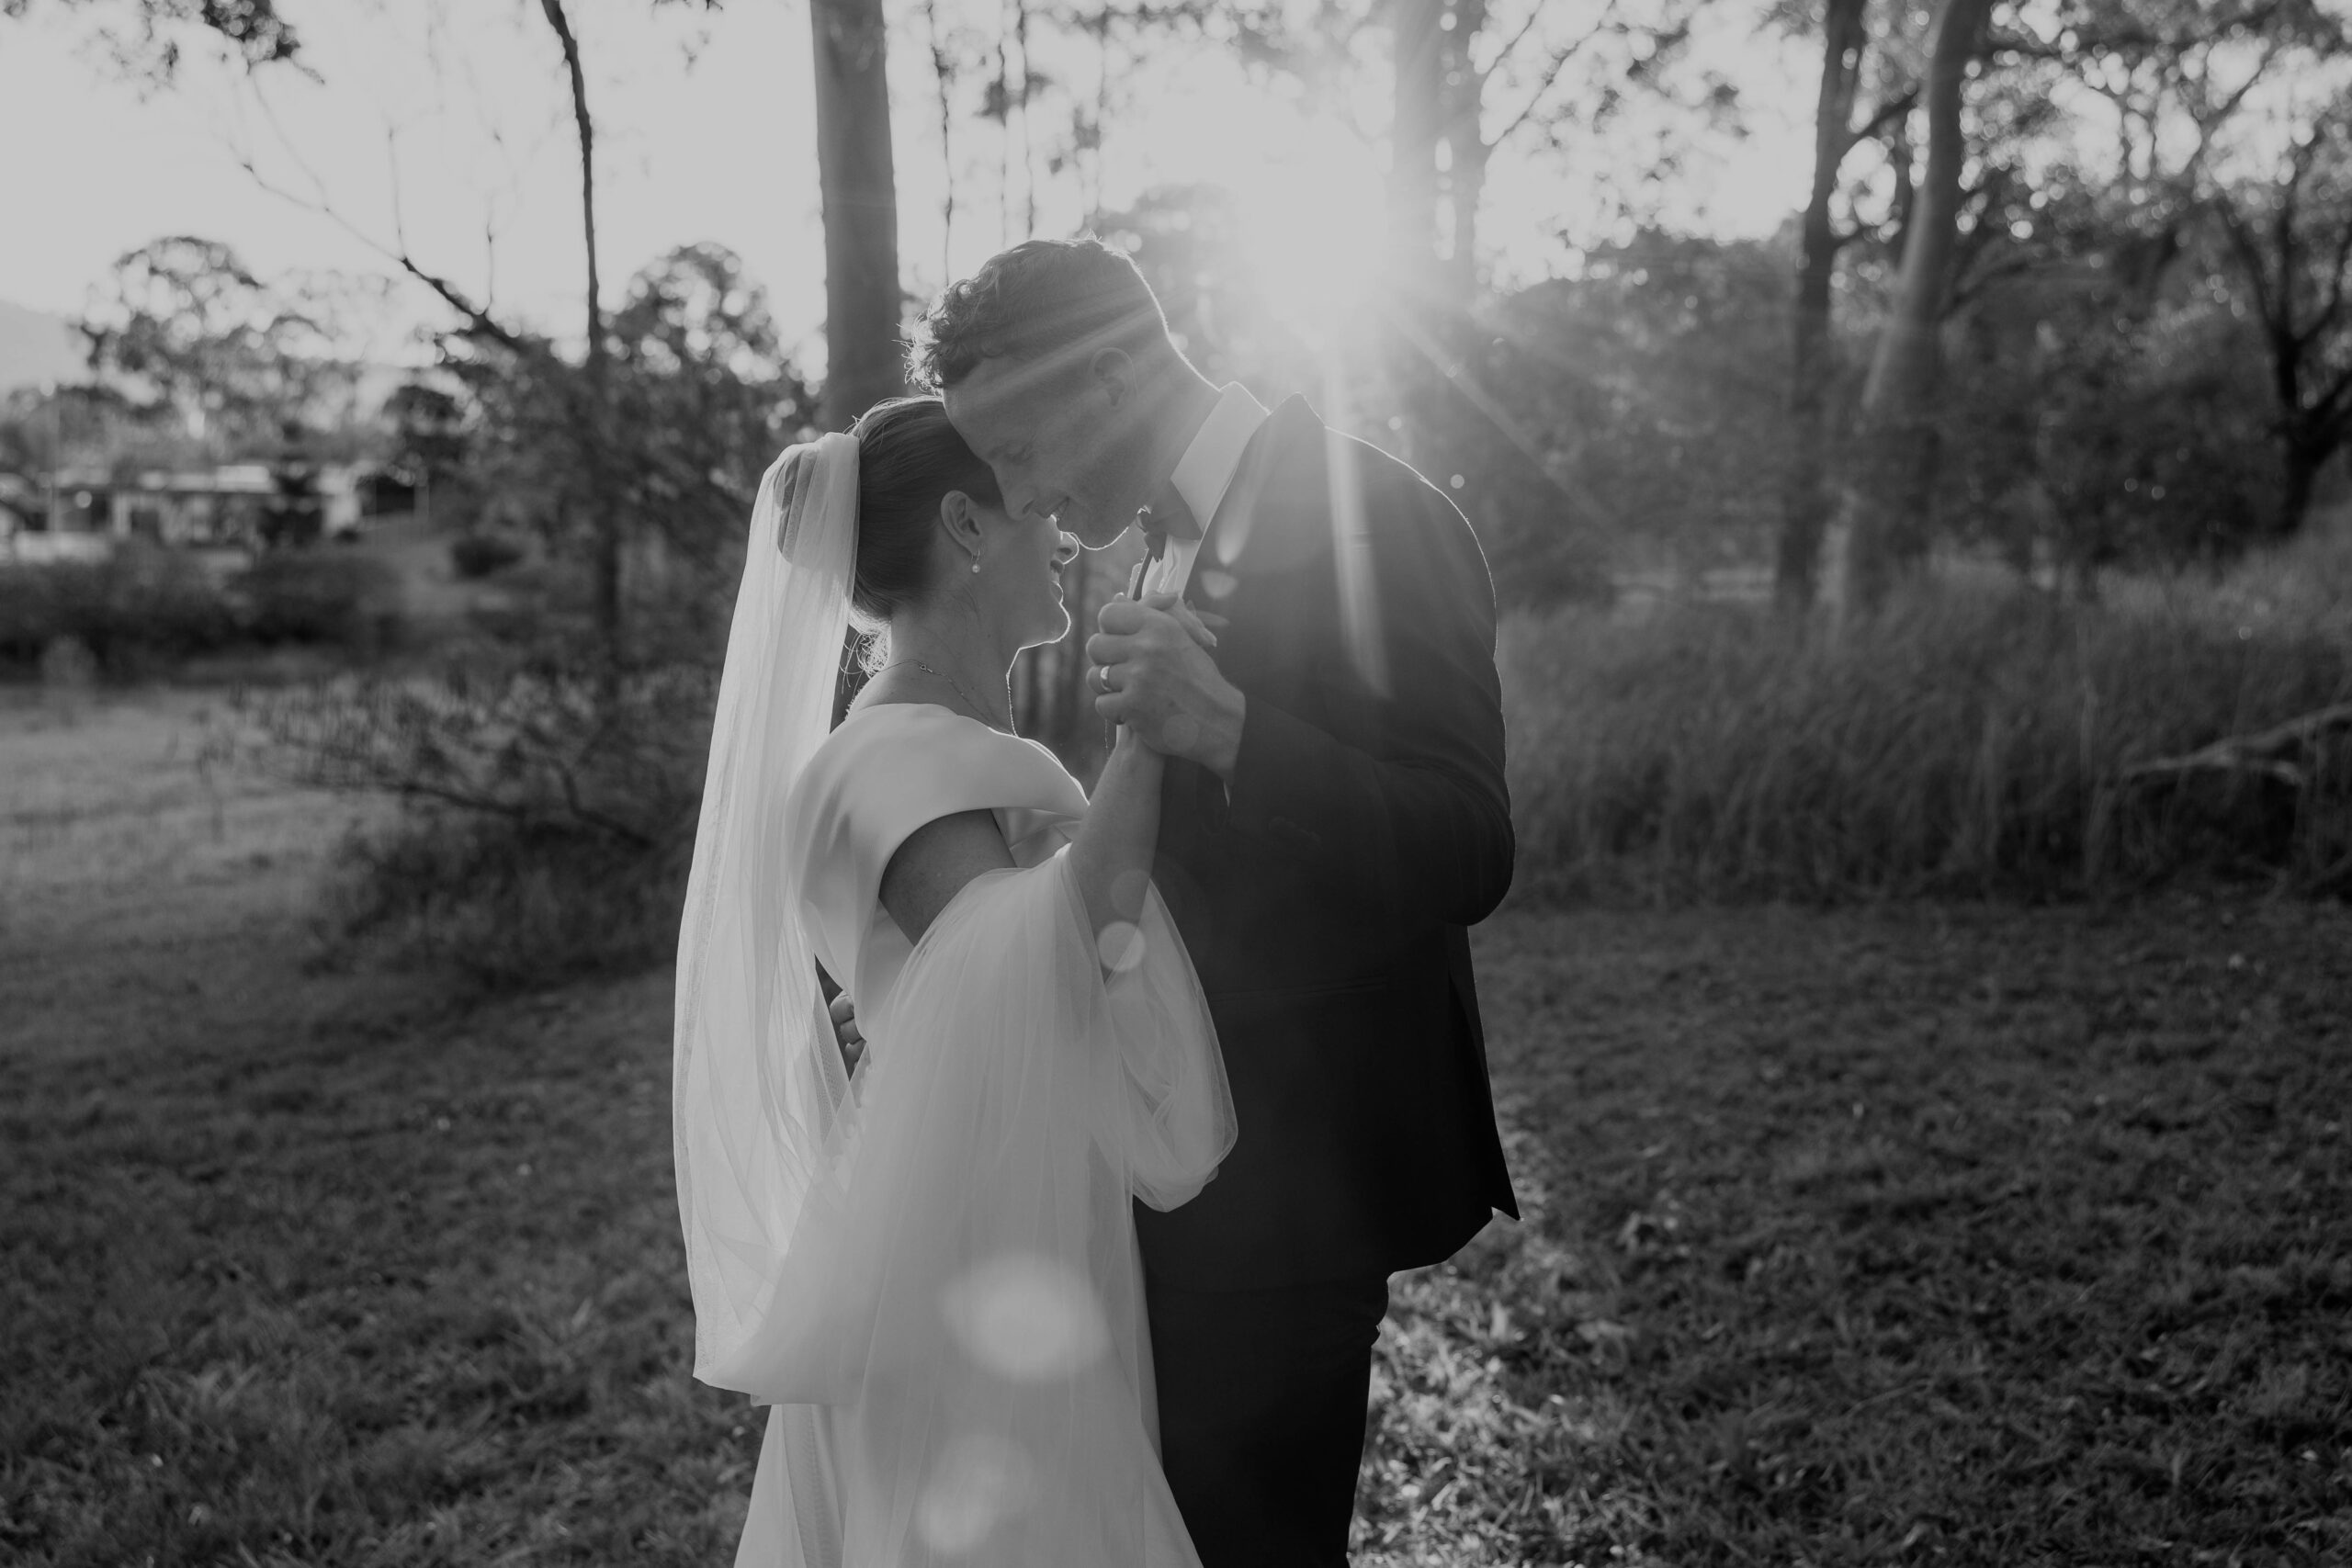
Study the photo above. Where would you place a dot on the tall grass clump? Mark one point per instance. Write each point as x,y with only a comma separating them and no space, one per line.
1958,742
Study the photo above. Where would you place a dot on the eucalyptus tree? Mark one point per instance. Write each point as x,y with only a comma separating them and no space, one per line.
1843,121
2276,175
231,356
858,180
2290,235
1880,526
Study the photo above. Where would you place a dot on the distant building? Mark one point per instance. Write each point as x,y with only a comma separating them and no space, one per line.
20,506
235,505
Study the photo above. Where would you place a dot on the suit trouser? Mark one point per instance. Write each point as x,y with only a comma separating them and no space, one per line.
1261,1415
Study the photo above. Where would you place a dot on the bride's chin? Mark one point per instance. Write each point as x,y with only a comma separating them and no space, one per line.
1049,632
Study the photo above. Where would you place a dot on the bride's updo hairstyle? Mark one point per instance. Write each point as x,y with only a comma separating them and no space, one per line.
908,456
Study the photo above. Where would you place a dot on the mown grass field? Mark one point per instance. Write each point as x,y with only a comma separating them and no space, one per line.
1932,1233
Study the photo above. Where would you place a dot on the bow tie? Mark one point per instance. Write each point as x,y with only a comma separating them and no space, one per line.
1159,522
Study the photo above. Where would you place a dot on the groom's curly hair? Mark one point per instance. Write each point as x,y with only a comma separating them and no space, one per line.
1043,298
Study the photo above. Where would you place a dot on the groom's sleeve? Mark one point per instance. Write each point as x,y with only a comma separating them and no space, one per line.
1416,825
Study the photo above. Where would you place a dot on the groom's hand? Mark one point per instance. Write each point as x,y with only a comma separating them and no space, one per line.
1151,670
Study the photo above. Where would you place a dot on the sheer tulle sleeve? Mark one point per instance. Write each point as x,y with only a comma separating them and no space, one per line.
964,1288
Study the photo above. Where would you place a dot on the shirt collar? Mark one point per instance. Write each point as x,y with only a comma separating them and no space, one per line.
1205,470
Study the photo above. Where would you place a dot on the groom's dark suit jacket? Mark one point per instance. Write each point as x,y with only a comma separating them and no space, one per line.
1326,902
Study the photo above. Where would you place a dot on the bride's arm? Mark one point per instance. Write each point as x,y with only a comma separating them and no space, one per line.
935,862
1110,857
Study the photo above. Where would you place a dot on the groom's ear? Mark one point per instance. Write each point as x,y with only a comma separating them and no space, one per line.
1113,373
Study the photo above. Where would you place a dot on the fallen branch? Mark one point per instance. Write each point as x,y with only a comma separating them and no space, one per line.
2281,753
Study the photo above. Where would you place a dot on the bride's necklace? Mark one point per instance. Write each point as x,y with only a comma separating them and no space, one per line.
973,702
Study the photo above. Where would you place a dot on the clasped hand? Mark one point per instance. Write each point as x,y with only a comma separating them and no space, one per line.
1152,672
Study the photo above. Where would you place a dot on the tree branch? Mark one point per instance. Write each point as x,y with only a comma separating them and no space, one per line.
1534,15
1892,111
2271,753
1560,58
2249,254
479,323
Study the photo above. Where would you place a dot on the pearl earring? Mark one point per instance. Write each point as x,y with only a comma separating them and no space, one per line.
975,563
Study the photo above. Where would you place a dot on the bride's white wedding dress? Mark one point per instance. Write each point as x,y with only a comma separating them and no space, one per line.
954,1341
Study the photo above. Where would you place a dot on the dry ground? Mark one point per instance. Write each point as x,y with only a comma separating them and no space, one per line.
1910,1233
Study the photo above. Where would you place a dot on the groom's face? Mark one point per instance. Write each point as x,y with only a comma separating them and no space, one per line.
1054,436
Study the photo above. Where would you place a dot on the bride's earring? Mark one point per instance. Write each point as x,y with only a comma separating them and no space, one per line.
975,563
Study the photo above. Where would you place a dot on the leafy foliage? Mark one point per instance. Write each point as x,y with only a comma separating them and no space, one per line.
704,397
146,37
1632,411
131,612
235,357
548,819
144,610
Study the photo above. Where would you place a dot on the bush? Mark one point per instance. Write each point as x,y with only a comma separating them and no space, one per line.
319,596
1960,742
144,606
548,822
479,554
134,609
506,903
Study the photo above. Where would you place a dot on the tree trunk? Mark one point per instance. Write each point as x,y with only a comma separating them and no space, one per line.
604,490
942,68
1880,518
1465,188
1415,123
1804,502
2304,458
1466,152
861,210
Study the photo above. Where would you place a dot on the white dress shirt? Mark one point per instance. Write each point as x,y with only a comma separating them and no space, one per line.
1202,476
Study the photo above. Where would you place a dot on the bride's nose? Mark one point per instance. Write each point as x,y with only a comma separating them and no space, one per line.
1065,549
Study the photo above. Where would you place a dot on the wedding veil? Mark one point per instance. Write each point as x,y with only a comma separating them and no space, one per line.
759,1082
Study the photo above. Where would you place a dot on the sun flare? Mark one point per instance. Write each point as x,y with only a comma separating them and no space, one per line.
1310,213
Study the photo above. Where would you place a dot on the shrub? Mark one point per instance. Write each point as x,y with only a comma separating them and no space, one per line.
138,607
547,824
319,595
506,903
478,555
1959,742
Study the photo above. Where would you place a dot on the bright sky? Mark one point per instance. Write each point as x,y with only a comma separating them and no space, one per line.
709,134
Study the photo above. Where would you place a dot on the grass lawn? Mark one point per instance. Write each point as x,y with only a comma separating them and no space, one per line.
1913,1233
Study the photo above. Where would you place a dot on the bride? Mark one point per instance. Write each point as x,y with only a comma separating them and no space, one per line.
927,1264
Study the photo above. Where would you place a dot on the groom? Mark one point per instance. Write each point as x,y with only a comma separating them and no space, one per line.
1332,820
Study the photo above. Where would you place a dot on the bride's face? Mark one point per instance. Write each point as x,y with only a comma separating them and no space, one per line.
1020,581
